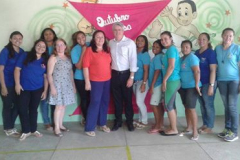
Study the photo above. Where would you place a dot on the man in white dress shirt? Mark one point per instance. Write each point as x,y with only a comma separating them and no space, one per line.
124,65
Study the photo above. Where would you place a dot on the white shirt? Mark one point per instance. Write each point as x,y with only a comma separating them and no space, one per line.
124,54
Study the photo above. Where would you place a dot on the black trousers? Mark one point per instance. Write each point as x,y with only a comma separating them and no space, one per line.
10,109
28,105
84,96
122,96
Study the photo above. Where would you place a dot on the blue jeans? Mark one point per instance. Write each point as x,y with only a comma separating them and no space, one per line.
207,106
45,111
98,107
229,95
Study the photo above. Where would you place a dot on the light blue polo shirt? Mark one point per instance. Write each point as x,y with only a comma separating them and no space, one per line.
50,50
155,64
228,63
186,72
142,59
171,52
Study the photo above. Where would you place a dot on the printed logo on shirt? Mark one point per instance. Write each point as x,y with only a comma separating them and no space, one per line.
43,66
203,60
229,55
183,65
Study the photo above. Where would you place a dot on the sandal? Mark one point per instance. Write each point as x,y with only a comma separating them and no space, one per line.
141,125
185,132
202,128
37,134
64,129
195,138
58,134
205,131
91,133
135,123
104,129
153,131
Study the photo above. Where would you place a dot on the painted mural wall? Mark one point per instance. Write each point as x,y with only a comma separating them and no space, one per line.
184,21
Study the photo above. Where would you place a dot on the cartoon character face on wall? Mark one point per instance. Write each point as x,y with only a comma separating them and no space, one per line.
186,12
83,25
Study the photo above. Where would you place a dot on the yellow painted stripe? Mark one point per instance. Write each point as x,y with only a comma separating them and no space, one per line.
129,157
53,150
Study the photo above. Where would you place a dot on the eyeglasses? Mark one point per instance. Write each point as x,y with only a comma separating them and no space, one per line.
41,46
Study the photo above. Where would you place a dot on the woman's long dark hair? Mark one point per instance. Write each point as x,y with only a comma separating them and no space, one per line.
93,43
49,29
145,49
9,46
160,45
32,55
208,38
74,38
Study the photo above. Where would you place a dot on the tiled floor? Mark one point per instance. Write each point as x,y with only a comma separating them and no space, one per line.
119,145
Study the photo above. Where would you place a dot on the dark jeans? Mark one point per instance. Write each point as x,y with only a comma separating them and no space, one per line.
84,96
28,105
10,109
122,96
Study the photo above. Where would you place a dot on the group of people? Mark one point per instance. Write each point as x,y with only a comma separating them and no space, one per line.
50,75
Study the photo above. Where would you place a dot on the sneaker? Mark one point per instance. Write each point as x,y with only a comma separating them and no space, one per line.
24,136
223,133
37,134
230,137
12,132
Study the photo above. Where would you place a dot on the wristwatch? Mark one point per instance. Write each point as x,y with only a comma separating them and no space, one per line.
144,82
211,84
132,77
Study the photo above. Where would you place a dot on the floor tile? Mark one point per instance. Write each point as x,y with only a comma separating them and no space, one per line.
92,154
169,152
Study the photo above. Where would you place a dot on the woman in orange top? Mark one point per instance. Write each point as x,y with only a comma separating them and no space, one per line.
97,74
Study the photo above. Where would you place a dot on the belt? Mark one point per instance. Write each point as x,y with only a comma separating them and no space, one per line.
120,72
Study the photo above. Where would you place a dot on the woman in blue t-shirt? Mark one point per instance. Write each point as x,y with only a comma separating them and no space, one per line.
31,86
171,81
140,86
155,81
8,57
190,87
228,58
49,35
208,65
78,48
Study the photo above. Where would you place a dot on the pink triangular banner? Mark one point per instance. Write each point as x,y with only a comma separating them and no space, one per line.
135,16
